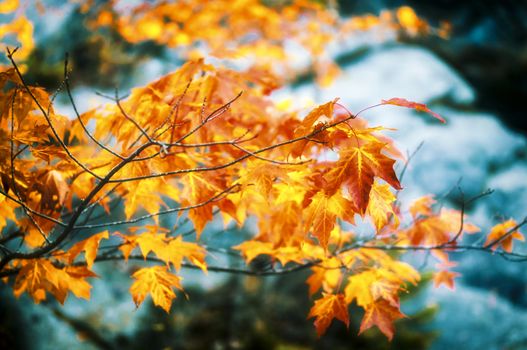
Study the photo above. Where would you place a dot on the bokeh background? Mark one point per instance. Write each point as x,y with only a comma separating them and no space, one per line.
476,78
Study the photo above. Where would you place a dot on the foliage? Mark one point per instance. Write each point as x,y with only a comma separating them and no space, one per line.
207,142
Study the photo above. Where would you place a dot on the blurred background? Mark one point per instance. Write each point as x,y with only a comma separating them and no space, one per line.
471,67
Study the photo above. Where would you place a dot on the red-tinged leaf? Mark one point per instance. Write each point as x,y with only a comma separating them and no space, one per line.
504,234
309,124
158,282
54,190
409,104
357,168
327,308
446,278
89,246
381,313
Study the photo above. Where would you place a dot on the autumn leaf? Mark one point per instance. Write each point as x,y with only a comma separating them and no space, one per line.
422,206
358,288
380,206
438,228
40,276
177,250
36,277
445,278
158,282
382,314
89,246
409,104
326,276
502,235
356,169
369,286
252,249
322,213
54,189
309,124
150,241
327,308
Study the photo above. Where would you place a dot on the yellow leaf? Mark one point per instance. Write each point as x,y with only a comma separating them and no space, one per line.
380,207
158,282
251,249
89,246
7,6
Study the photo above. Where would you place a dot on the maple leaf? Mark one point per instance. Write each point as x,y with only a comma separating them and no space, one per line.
327,308
502,235
422,206
357,168
198,189
326,276
380,207
322,212
307,126
262,175
359,288
40,276
89,246
158,282
177,250
409,104
167,249
446,278
438,229
252,249
151,241
381,313
369,286
35,277
54,189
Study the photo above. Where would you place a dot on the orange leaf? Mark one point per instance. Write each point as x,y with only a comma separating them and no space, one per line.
309,124
500,230
322,212
89,246
40,276
381,314
446,278
409,104
422,206
35,277
251,249
327,308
